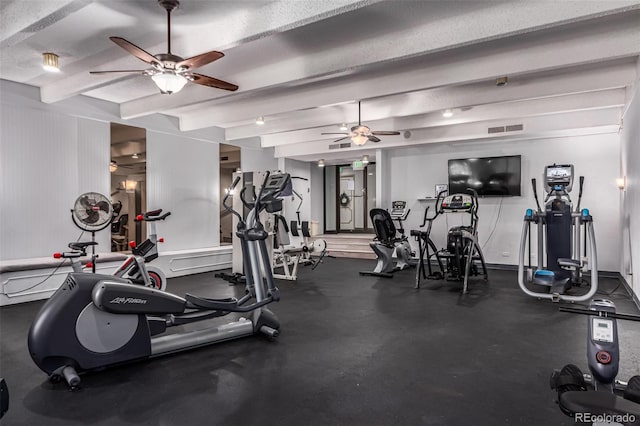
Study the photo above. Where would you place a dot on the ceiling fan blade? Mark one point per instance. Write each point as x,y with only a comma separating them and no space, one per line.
122,71
341,139
135,50
385,132
373,138
211,82
341,133
200,60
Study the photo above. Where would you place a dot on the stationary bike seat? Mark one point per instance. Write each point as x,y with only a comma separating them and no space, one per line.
81,245
597,403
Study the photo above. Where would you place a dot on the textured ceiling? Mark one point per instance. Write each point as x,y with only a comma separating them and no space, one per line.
304,64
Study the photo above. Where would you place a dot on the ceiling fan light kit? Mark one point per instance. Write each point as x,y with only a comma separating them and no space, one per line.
169,82
360,134
168,71
359,139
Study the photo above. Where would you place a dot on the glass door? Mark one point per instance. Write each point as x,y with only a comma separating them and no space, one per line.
349,194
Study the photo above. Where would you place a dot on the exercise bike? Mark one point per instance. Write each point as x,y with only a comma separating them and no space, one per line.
134,268
599,395
95,321
561,232
387,243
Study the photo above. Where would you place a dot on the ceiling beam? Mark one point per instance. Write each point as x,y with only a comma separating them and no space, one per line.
513,110
442,31
614,75
549,51
576,121
19,19
230,31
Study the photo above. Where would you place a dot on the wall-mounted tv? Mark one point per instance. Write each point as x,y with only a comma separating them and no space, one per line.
489,176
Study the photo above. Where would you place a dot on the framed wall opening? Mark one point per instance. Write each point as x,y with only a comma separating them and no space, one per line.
128,169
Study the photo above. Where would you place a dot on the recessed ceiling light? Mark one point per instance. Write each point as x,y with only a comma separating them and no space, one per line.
113,166
260,120
447,113
134,156
344,127
50,62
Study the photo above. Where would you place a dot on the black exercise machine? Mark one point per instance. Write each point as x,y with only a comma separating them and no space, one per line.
562,235
94,321
599,394
463,255
387,242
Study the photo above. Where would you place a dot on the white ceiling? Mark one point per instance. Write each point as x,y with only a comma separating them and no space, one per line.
304,64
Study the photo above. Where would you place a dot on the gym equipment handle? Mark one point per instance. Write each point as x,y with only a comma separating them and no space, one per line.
600,313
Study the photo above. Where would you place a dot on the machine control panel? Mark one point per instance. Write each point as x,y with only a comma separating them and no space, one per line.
461,202
399,210
603,330
558,177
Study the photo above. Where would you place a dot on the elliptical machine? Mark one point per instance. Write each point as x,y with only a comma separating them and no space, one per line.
387,243
462,253
581,395
95,321
562,231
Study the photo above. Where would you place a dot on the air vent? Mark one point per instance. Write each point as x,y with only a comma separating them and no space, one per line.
514,127
340,145
496,129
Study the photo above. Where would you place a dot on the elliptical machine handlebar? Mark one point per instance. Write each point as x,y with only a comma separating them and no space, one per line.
226,197
151,216
535,193
580,193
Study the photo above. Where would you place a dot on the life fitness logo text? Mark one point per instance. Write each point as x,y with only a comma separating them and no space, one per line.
128,301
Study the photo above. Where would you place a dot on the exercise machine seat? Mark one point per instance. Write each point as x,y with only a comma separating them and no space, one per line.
384,227
597,403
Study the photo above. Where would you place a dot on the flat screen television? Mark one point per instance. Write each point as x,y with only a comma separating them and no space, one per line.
489,176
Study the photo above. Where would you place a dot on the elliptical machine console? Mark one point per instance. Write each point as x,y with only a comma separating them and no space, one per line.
94,321
561,231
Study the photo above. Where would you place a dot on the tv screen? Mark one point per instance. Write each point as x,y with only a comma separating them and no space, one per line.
489,176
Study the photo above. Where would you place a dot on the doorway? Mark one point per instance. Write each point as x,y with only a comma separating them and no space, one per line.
229,162
349,195
128,169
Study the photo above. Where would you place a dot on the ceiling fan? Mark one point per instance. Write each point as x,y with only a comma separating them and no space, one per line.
361,134
171,72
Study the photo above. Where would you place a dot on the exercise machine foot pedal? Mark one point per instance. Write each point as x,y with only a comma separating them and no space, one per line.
212,304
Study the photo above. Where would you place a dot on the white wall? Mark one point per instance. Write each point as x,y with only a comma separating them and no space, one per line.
316,207
255,159
413,172
51,153
46,161
182,177
630,197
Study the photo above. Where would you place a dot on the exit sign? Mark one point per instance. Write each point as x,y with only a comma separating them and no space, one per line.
358,165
